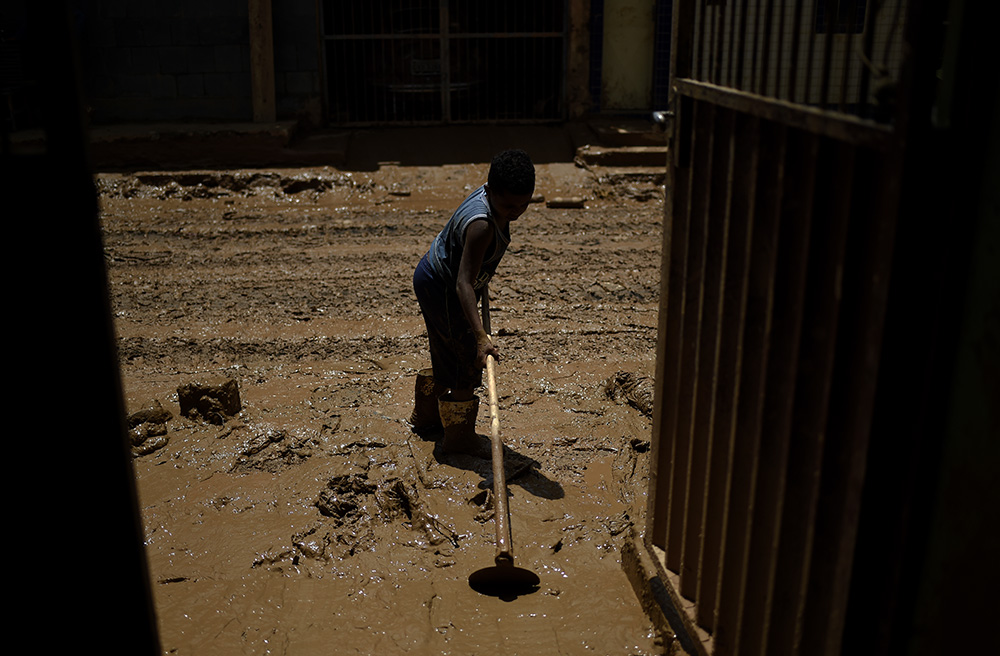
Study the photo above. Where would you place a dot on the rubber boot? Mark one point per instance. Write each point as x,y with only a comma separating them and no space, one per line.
425,416
459,421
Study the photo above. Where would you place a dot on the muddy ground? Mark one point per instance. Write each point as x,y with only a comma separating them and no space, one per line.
314,521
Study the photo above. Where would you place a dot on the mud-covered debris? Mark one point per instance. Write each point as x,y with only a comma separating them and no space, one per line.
150,443
298,183
342,496
210,399
639,445
273,449
310,544
139,434
260,442
633,389
618,524
148,429
154,413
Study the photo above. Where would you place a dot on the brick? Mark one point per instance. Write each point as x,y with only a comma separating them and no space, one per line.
100,31
184,31
144,60
200,59
102,86
191,86
301,83
129,32
228,59
173,60
285,57
163,86
227,85
225,31
308,56
133,85
156,32
114,8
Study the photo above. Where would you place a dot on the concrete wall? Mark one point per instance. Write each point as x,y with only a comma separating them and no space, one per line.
190,59
627,69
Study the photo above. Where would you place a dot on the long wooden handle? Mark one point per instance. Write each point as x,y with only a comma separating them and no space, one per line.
505,547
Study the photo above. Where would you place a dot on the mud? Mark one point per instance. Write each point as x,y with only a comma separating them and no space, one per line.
315,521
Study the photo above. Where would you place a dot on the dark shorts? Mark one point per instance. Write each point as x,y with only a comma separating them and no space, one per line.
453,346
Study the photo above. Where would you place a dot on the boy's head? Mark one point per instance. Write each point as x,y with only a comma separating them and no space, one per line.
512,172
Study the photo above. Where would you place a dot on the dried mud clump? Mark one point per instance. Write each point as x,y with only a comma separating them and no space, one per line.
148,429
211,400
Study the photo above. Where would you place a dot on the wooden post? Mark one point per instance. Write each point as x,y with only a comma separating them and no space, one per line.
262,61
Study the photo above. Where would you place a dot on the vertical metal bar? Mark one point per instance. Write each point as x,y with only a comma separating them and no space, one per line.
755,48
835,173
867,48
829,14
682,42
671,324
865,279
809,27
782,370
743,163
766,60
780,60
671,297
683,561
366,97
731,78
848,55
698,10
711,43
323,63
670,331
793,60
741,47
753,381
383,111
703,430
445,61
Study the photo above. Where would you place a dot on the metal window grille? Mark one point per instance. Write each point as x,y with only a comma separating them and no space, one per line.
839,55
444,61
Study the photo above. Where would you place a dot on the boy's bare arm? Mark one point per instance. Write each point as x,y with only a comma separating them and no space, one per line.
477,239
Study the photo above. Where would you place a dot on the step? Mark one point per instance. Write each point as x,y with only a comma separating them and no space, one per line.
590,155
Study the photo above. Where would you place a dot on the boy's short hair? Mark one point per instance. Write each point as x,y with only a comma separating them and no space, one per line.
512,172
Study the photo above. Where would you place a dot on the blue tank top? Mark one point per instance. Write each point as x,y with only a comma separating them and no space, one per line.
445,253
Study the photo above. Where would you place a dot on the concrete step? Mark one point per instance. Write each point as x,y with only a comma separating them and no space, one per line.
590,155
626,132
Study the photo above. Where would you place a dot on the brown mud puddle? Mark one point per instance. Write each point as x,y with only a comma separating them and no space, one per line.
315,521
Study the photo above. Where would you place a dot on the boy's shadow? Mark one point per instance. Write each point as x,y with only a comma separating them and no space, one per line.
519,469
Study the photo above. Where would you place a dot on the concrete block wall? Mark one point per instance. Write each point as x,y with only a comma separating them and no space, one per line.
297,60
189,60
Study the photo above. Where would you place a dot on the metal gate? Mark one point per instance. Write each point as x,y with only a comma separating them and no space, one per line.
779,221
444,61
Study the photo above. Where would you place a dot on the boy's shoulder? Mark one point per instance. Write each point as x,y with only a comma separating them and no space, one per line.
475,204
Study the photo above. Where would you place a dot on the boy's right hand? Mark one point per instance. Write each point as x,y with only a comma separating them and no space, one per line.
484,348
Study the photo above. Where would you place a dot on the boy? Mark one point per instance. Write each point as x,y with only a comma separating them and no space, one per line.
449,281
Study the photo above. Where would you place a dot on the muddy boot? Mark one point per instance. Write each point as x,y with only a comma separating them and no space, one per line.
425,417
459,421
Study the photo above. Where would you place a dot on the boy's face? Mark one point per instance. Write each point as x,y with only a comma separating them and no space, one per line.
508,206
